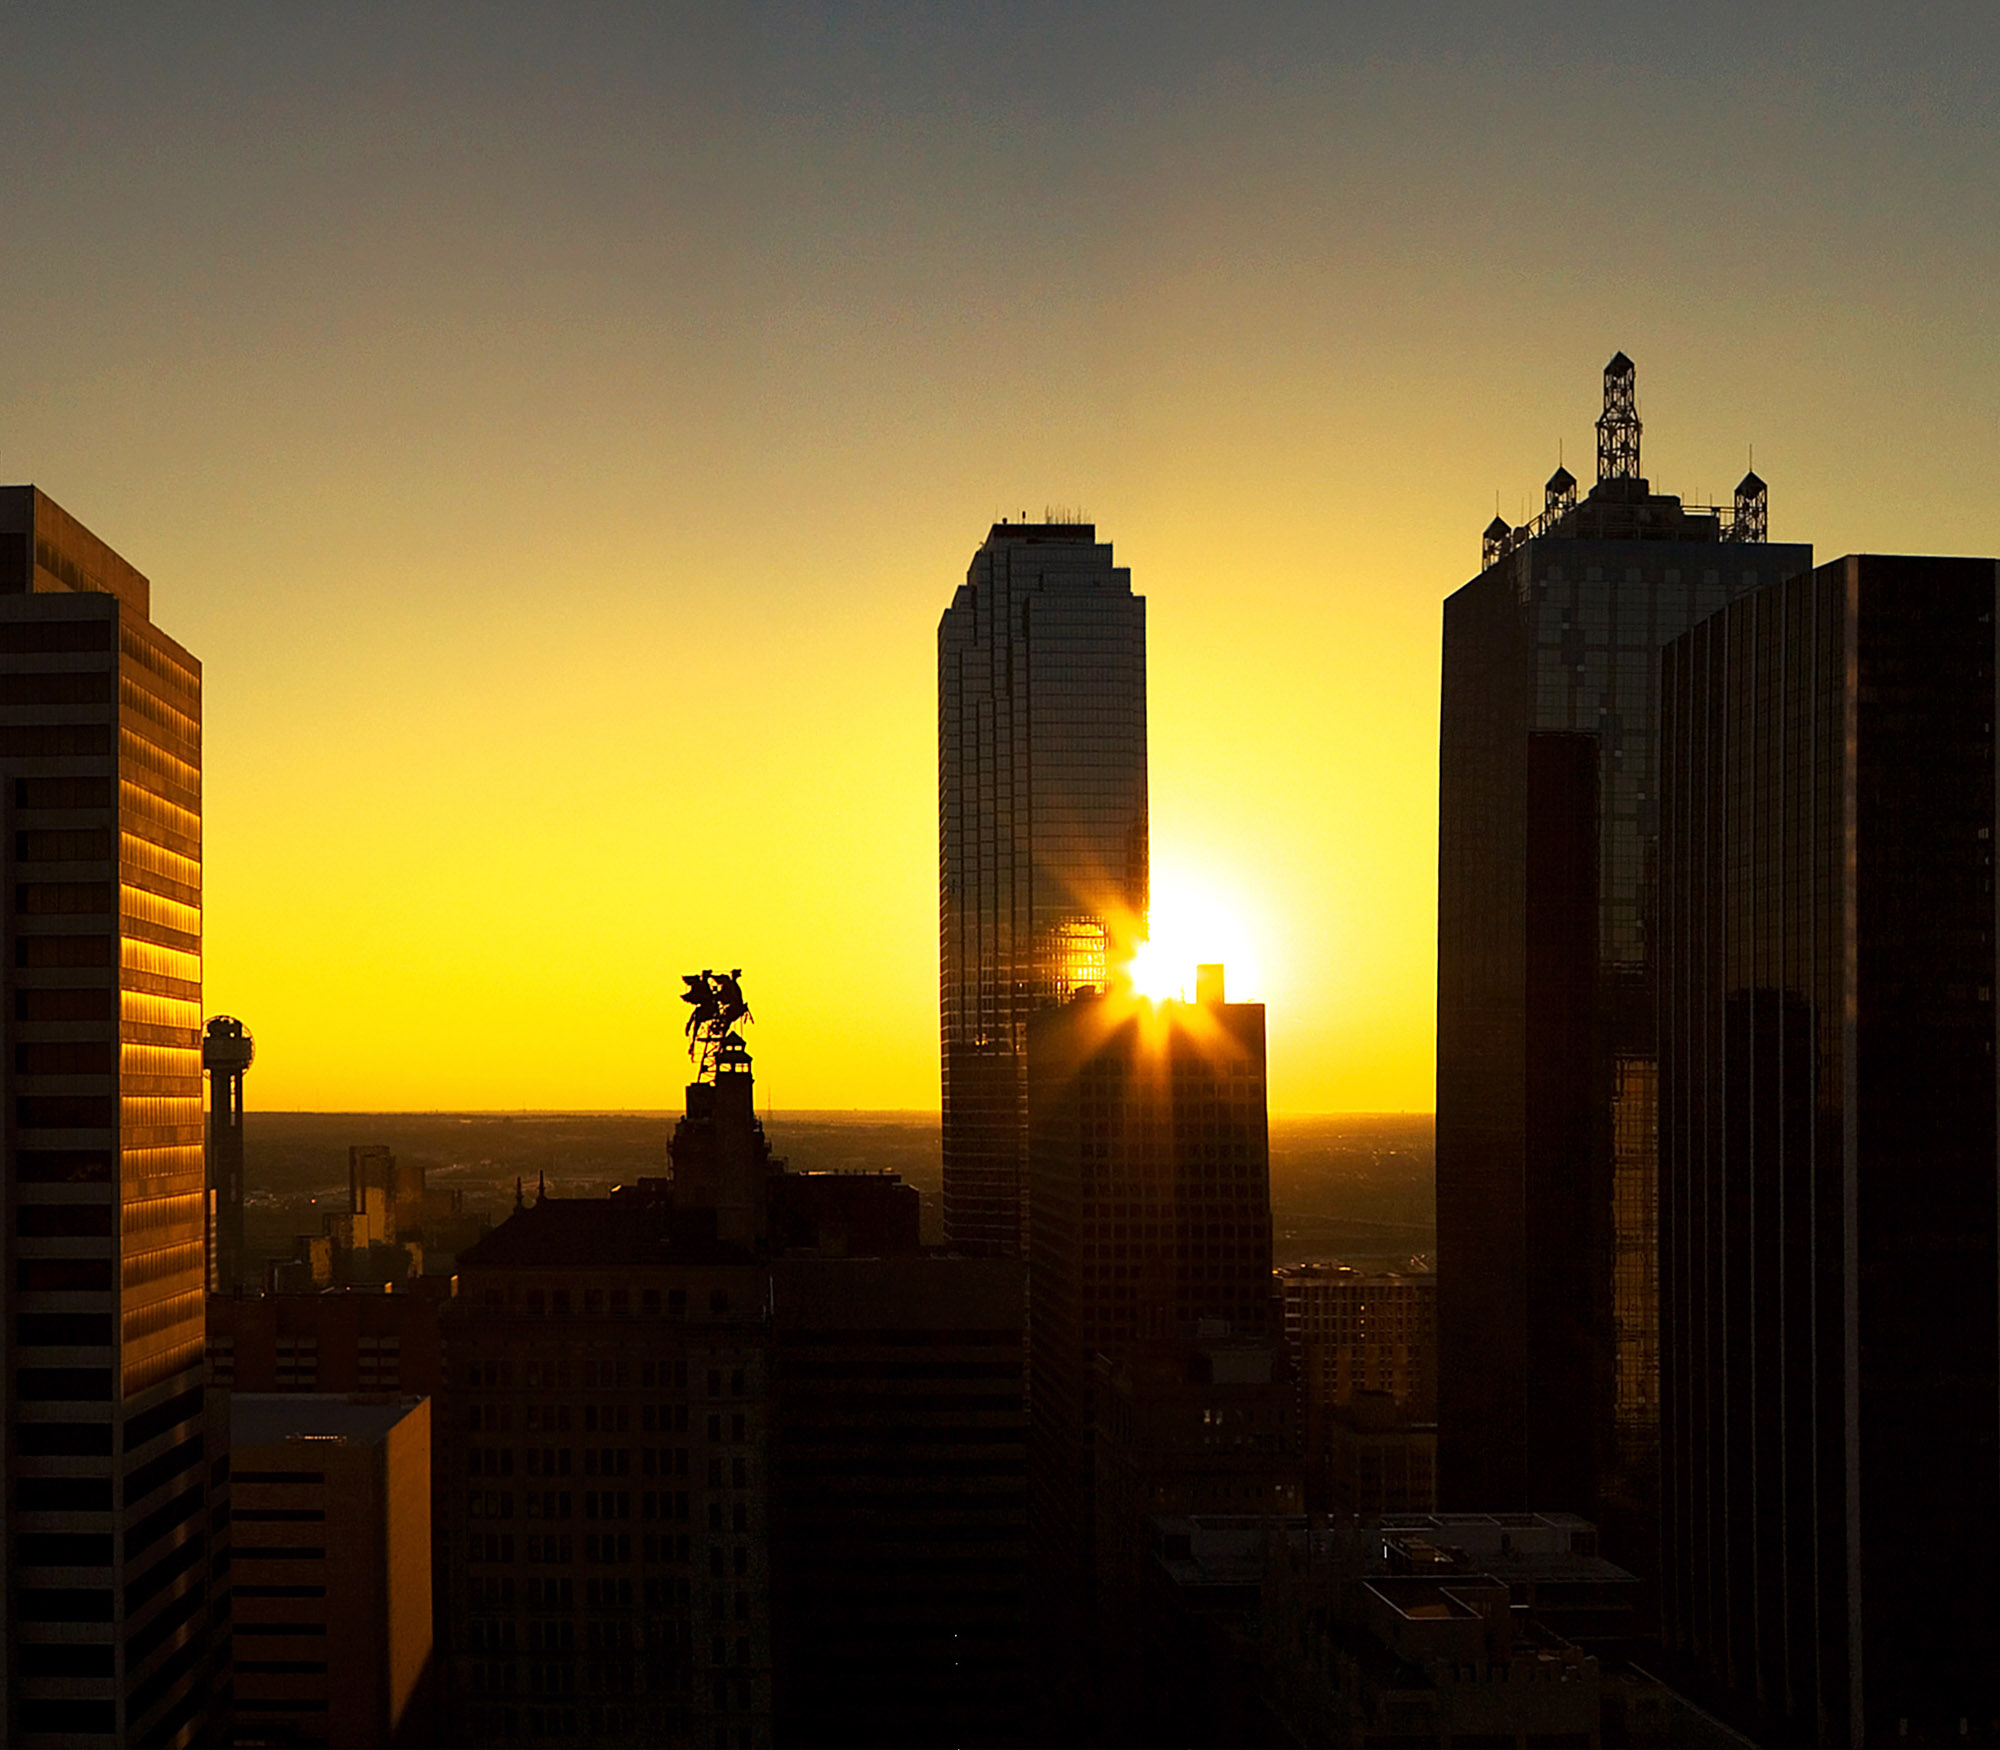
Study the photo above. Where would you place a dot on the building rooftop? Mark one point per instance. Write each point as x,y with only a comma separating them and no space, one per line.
567,1233
271,1418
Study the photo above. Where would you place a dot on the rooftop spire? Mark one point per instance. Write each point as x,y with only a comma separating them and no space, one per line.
1618,427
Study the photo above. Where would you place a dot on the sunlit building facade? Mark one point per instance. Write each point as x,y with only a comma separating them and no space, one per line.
1830,1502
1548,1393
109,1448
331,1562
1042,839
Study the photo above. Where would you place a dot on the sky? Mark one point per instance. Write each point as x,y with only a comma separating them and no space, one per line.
558,431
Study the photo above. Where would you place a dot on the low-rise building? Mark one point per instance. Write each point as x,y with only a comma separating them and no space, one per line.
1368,1634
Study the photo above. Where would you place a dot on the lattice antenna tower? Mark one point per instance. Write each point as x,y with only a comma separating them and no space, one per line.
1618,426
1753,510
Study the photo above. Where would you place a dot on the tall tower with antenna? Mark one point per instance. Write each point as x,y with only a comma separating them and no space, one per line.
1549,824
1618,425
227,1051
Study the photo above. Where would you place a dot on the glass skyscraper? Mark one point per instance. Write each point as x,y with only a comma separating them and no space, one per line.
1042,847
111,1545
1548,1381
1829,1273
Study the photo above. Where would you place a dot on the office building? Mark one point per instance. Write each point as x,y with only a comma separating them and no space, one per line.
1460,1629
689,1453
899,1511
331,1500
227,1051
1188,1425
1042,844
1149,1172
340,1341
108,1531
1829,1269
1547,1067
1363,1345
606,1561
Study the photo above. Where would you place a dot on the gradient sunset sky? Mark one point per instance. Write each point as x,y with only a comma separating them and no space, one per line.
558,431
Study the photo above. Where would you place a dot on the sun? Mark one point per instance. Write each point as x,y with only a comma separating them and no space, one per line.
1157,974
1190,925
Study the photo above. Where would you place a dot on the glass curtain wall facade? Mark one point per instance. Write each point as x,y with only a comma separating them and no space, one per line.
1548,831
107,1439
1830,1502
1042,841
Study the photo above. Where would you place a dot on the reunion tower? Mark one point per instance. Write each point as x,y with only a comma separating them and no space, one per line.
227,1051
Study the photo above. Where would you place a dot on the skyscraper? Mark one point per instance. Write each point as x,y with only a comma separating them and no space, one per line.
1548,827
1829,1270
1150,1179
1042,848
107,1454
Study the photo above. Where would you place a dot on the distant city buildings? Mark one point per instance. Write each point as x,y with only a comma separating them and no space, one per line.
331,1501
1042,835
392,1230
116,1485
1830,1506
1549,820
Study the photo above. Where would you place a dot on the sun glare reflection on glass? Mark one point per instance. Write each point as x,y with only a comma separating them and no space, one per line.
1157,972
1187,929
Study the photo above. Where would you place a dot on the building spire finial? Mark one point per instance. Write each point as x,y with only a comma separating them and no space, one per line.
1618,426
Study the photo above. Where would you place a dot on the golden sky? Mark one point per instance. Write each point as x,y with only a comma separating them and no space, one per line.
558,437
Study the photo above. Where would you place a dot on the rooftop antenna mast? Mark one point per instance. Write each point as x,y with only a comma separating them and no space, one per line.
1753,507
1618,426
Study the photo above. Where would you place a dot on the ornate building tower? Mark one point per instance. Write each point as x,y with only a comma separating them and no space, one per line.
1549,822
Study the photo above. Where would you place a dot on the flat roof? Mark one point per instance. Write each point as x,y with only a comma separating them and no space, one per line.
272,1418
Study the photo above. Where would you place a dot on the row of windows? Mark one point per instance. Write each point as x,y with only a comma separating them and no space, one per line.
159,818
150,654
594,1374
159,770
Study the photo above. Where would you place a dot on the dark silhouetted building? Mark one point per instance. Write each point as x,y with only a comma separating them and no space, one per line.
348,1340
109,1541
606,1561
1149,1175
227,1051
1201,1424
899,1512
1364,1347
331,1498
718,1490
1362,1330
1461,1629
1547,1068
1042,846
1828,1258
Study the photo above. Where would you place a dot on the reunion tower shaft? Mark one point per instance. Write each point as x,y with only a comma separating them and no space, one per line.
227,1051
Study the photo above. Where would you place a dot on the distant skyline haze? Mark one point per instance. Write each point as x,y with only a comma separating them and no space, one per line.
555,435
